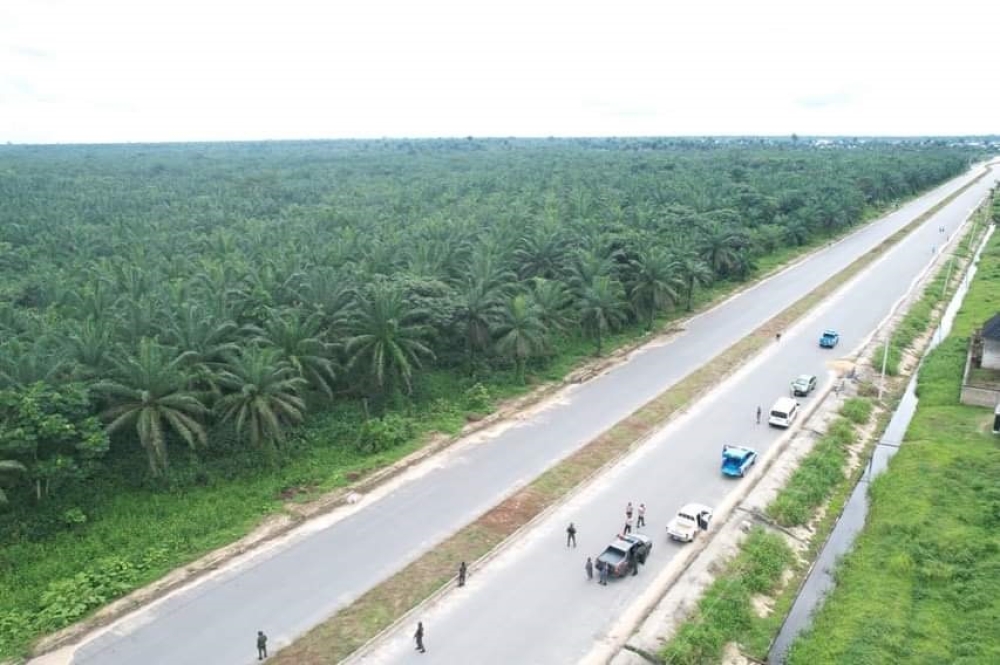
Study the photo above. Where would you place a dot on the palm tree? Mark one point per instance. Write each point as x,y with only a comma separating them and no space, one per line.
388,340
656,283
150,392
520,332
553,300
694,271
204,342
720,245
602,307
262,396
90,347
300,343
23,363
479,307
9,469
542,252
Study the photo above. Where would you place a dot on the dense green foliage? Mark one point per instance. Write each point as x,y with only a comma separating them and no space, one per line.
921,584
206,300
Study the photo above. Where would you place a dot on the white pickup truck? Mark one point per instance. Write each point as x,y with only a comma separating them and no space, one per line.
690,519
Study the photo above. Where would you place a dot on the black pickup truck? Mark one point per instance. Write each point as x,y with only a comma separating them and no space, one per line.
616,555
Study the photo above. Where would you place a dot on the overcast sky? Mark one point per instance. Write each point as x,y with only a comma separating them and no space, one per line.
180,70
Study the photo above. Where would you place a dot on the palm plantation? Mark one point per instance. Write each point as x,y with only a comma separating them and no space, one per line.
229,297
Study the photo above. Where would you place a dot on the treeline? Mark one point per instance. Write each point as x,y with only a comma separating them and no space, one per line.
172,297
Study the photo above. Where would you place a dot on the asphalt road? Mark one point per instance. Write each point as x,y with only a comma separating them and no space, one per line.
533,603
534,609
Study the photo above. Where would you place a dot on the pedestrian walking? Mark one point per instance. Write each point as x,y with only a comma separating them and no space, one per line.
641,521
419,637
589,567
628,526
261,645
462,570
758,415
602,570
628,510
571,535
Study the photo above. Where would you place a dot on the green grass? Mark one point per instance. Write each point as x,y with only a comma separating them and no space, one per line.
817,475
724,614
922,584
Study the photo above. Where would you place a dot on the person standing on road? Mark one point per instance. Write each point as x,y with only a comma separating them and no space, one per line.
602,569
628,525
628,510
462,570
261,645
633,561
419,637
571,535
641,520
589,567
758,415
777,337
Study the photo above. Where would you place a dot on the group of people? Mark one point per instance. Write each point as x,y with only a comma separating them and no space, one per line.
603,570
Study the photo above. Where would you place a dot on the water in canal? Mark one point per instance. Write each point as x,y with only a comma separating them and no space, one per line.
820,578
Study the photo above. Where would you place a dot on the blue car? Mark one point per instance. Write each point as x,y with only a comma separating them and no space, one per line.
737,460
829,339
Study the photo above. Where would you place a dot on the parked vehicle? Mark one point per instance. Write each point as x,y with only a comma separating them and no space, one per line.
802,386
616,555
690,519
829,339
784,412
737,460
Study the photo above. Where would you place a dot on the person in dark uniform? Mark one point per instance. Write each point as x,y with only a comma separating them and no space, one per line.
632,561
462,570
589,567
571,535
419,637
261,645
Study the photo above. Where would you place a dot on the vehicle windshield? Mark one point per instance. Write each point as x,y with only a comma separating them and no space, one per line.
779,414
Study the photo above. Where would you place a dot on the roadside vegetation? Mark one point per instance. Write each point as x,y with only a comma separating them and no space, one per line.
725,613
821,481
190,336
921,583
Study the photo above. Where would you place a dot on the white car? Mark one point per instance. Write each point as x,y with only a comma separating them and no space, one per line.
690,519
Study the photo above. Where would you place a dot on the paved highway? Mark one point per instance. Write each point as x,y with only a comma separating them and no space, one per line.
538,611
533,604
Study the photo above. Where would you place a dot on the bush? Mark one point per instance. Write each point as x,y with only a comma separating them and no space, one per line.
385,433
478,399
857,410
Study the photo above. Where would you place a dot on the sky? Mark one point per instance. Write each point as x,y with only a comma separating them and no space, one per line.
110,71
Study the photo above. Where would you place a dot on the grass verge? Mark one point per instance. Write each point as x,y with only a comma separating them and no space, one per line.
921,583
